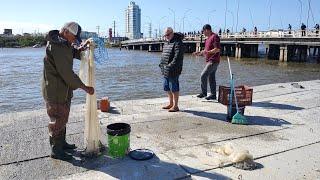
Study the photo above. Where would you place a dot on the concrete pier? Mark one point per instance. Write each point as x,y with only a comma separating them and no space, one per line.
283,136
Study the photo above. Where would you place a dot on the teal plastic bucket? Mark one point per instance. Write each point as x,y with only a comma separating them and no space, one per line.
118,139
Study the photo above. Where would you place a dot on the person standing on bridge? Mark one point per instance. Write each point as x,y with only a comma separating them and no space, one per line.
212,55
317,27
289,27
171,67
303,29
58,83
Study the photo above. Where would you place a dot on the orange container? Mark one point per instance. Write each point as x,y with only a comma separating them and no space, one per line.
104,104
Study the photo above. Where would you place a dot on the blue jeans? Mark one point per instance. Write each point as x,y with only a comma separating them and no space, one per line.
171,84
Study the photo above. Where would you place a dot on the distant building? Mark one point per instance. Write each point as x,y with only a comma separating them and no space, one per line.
117,40
133,21
110,34
7,32
26,34
86,34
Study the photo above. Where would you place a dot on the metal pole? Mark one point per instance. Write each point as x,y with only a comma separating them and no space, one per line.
225,15
300,11
232,19
114,28
211,12
309,4
174,18
270,13
98,28
237,16
252,18
160,23
184,16
150,27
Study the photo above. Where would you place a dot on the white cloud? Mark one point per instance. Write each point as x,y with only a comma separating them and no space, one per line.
25,27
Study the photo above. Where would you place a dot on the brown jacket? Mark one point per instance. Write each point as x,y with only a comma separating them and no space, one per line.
59,80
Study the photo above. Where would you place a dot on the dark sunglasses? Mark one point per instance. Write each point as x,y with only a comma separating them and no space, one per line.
166,35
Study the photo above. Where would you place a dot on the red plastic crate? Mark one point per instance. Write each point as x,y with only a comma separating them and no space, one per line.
243,92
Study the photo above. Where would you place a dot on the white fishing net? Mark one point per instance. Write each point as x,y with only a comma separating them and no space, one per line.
87,75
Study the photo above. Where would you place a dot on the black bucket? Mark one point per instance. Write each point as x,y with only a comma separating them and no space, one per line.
118,129
233,112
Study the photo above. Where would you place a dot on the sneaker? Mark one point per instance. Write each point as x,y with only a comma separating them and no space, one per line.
211,97
201,95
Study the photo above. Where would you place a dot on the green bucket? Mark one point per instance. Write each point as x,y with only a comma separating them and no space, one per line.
118,139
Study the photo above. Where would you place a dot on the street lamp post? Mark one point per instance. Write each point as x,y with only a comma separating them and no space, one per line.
184,16
237,16
98,29
160,28
150,26
211,12
300,12
225,15
232,19
270,13
174,18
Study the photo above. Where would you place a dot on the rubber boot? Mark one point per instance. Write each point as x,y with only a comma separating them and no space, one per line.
57,151
65,144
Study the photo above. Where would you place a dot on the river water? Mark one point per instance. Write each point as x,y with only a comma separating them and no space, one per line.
128,75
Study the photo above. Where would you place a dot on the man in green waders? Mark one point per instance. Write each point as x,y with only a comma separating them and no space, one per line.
58,84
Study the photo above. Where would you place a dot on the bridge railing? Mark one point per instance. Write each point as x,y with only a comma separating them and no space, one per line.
311,33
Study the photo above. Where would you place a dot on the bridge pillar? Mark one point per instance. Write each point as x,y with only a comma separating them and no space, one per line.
161,47
267,49
253,51
238,51
198,47
283,57
150,48
133,47
285,54
274,51
141,47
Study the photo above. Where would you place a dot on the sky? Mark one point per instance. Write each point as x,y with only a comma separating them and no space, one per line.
29,16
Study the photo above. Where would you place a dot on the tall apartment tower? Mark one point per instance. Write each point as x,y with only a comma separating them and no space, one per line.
133,21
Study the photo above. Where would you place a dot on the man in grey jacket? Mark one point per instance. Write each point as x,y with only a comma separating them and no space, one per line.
171,67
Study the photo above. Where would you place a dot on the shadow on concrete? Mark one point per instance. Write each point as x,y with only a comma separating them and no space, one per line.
211,115
113,110
270,105
127,168
253,120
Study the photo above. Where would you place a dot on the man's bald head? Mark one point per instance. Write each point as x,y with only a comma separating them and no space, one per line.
168,33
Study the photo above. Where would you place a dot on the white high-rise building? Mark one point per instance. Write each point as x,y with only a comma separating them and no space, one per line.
133,21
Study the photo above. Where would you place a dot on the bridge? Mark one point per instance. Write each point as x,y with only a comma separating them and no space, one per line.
279,45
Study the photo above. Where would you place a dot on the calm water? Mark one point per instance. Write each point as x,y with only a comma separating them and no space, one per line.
131,75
